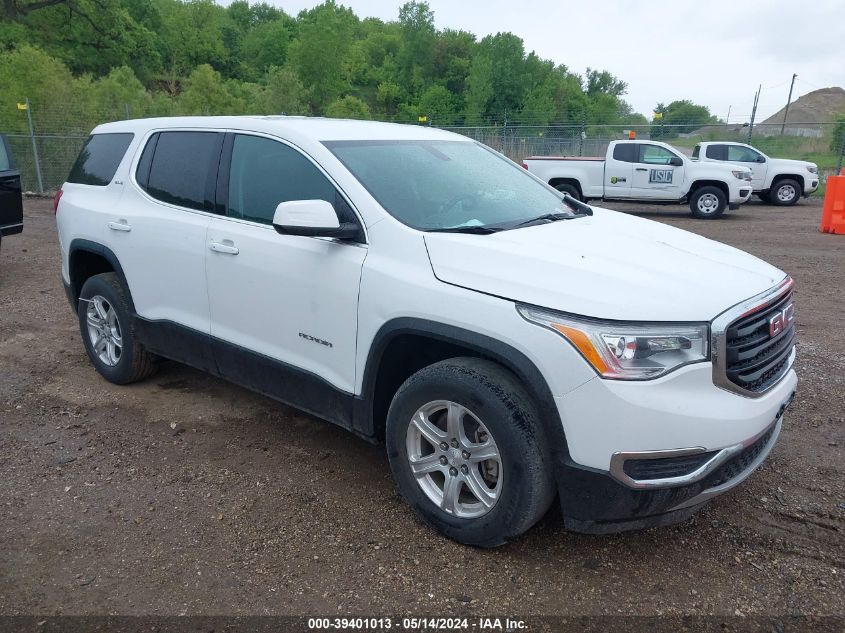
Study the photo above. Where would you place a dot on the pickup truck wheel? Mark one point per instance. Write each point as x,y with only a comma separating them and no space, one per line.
466,451
785,192
107,329
708,202
572,190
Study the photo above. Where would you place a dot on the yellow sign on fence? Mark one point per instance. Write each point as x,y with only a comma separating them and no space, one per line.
23,106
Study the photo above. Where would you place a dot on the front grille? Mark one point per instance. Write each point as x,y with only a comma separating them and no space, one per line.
663,467
755,360
739,464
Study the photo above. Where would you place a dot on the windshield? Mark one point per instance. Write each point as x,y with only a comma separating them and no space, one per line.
441,185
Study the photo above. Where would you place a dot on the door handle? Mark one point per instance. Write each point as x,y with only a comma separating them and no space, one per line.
227,246
641,169
120,225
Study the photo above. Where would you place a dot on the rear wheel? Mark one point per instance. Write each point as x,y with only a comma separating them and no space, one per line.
572,190
785,192
466,451
107,329
708,202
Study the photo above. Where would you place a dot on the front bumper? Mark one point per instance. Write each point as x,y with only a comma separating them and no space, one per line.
683,414
595,503
811,183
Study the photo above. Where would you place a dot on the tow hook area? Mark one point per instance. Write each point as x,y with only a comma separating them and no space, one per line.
785,406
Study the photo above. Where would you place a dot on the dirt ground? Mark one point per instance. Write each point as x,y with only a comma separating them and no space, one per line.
188,495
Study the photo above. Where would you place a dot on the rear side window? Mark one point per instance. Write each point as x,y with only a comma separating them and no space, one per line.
5,159
265,172
626,152
181,168
717,152
99,159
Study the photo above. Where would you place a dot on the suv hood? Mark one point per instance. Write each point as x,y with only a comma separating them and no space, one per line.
610,265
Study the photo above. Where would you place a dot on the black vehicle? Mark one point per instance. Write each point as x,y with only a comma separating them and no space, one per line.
11,201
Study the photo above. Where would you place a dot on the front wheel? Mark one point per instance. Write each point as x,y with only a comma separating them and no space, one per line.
785,192
708,202
465,448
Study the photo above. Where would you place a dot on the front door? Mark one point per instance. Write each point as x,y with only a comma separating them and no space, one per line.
284,308
654,175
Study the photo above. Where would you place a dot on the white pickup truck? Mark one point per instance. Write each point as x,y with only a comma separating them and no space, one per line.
778,181
648,171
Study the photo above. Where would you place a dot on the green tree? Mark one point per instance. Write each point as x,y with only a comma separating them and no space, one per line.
437,104
206,93
680,117
348,107
120,95
318,53
283,93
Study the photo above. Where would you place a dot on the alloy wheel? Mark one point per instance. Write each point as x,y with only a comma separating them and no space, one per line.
104,330
454,459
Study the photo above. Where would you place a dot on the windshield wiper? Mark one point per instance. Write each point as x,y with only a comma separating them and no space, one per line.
473,230
579,210
551,217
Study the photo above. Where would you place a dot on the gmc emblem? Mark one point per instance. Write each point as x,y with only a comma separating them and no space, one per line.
782,320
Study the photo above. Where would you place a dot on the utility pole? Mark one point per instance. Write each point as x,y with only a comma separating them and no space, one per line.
754,112
28,109
788,99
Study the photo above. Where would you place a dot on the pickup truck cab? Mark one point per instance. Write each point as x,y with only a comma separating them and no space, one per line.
779,181
647,171
509,346
11,201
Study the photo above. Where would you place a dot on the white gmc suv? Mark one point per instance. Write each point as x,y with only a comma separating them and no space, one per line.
510,345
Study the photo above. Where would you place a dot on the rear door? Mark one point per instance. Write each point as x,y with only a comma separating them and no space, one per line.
11,201
654,175
159,231
618,169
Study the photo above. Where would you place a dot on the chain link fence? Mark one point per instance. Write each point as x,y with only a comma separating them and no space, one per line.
53,142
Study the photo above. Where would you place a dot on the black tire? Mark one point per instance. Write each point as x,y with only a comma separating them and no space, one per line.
789,188
708,193
572,190
134,362
764,197
495,397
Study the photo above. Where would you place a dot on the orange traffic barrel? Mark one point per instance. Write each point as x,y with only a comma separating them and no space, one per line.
833,211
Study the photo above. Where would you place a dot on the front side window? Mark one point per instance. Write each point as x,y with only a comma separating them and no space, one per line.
182,168
740,154
655,155
437,185
99,159
696,150
264,173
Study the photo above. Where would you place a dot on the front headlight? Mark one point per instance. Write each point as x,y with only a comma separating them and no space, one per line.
627,351
812,169
742,175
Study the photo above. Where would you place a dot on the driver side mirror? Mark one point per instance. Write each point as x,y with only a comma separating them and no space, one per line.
676,161
312,218
761,159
